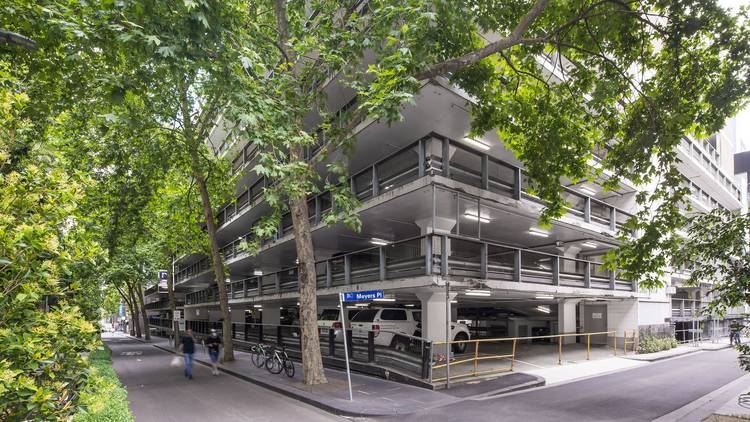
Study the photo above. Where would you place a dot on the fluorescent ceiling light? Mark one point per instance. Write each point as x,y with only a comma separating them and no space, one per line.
478,144
384,299
409,305
351,307
257,306
257,272
470,215
297,303
535,231
587,191
589,244
281,307
544,309
378,242
477,293
454,301
361,305
545,297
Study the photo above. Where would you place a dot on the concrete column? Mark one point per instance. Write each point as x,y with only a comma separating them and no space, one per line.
566,318
571,251
622,316
434,313
442,225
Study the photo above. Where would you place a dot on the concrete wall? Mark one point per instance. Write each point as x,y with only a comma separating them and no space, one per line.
653,312
622,315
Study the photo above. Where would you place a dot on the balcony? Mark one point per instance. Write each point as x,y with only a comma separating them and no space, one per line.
426,256
708,160
424,157
686,308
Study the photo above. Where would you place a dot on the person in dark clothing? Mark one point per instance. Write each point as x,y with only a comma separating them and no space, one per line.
213,343
188,349
734,333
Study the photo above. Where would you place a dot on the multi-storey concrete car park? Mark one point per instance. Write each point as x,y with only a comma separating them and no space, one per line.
447,217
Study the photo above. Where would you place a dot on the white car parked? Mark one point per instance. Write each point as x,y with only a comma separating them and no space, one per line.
331,318
388,322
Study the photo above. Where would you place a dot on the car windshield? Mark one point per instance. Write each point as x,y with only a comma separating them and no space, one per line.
365,315
329,315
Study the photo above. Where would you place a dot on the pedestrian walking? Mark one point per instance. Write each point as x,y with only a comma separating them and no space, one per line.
188,349
734,333
213,342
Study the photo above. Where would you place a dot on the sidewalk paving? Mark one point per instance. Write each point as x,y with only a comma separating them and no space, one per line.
379,397
680,350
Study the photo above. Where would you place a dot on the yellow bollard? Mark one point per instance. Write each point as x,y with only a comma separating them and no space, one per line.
513,357
476,355
614,346
588,347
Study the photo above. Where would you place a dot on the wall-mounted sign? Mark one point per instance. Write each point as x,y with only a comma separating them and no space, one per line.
596,315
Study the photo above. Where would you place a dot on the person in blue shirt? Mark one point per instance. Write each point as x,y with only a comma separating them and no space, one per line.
188,350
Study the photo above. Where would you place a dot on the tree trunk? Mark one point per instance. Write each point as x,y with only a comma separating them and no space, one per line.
208,213
144,314
173,306
312,363
129,307
134,312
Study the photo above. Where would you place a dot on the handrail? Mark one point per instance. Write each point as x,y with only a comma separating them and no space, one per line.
421,260
475,358
613,219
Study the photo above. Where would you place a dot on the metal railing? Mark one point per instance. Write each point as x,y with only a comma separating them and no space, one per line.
687,308
709,162
408,354
430,255
474,358
421,158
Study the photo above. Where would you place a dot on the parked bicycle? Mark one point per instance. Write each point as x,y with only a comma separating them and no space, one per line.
278,360
259,353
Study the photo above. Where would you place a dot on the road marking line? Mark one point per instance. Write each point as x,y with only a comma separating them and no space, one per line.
530,364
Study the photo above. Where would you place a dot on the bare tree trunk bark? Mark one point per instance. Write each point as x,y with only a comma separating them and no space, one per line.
173,304
129,308
219,275
216,259
144,314
312,362
134,312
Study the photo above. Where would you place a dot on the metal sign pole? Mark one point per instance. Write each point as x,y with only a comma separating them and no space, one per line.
346,346
447,334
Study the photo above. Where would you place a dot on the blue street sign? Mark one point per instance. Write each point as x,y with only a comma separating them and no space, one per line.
363,296
163,275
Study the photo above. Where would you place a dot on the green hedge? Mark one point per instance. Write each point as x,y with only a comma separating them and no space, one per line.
103,399
651,344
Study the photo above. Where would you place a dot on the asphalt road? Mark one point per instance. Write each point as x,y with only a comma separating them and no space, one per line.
640,394
158,392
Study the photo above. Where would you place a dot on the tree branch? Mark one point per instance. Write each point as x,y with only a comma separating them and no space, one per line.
468,59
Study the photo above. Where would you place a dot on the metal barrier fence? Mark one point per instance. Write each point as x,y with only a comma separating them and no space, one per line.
429,155
427,255
475,358
396,351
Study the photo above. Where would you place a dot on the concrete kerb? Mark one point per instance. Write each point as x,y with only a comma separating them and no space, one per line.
297,394
277,389
310,399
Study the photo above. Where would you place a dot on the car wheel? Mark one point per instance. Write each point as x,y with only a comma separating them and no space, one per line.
460,347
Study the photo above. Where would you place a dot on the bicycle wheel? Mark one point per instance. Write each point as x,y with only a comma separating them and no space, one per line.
273,364
289,368
258,358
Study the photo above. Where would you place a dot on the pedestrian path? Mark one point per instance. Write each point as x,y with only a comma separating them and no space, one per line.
371,396
160,393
